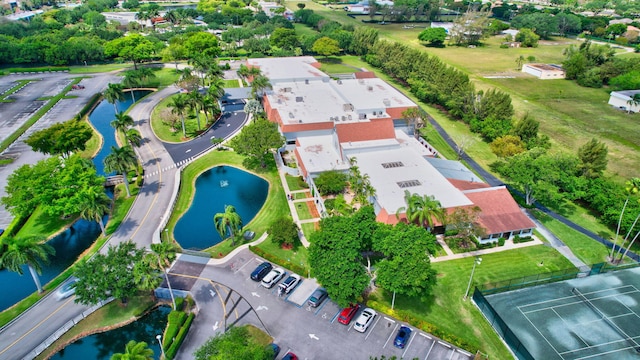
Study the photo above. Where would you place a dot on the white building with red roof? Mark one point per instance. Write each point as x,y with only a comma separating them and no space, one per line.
330,124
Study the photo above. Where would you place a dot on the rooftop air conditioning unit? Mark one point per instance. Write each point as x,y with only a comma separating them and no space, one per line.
291,115
344,118
299,99
339,82
370,88
306,81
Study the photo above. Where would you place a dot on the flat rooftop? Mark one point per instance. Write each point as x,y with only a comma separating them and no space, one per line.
546,67
289,69
392,171
319,154
350,100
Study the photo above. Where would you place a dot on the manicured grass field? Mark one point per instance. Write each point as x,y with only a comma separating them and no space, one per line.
231,83
293,183
448,311
308,229
303,211
297,255
42,225
99,68
275,206
165,133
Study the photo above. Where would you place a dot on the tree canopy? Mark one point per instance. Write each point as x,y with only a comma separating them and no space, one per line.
61,138
235,343
433,36
257,140
133,47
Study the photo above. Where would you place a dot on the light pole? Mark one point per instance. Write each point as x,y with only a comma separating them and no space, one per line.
476,262
166,235
159,337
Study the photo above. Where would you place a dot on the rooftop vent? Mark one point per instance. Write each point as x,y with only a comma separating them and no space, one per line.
299,99
339,82
344,118
279,101
386,102
408,183
360,81
391,165
370,88
349,116
306,81
291,115
287,89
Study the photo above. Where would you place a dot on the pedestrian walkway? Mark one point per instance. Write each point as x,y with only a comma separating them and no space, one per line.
508,245
292,208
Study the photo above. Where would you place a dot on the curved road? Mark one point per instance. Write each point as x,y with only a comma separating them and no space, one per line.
34,326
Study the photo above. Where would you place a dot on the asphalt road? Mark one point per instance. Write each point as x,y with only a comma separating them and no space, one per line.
311,333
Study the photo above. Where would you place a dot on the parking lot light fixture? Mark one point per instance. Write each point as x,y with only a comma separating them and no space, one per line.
159,338
473,269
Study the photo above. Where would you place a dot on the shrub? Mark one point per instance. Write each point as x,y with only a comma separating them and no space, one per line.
303,184
179,303
283,231
501,241
175,321
331,182
173,349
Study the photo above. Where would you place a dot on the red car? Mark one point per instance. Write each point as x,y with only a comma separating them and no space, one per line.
290,356
347,314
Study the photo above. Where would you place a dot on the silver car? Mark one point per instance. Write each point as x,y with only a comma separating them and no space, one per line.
68,289
272,277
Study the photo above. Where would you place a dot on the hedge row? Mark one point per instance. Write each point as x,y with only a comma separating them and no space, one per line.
173,349
285,264
38,69
422,325
174,323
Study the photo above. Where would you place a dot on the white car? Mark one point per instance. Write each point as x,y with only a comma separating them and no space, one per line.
272,277
289,283
68,289
364,320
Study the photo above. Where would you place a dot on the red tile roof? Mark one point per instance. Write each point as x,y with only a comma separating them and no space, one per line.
499,212
362,131
365,75
468,185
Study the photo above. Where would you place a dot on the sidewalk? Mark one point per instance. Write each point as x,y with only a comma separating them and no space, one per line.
508,245
292,207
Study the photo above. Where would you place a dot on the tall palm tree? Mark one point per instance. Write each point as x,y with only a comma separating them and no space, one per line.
95,206
247,71
415,118
146,275
422,210
228,222
132,79
633,101
113,94
30,251
178,106
122,122
120,160
632,187
213,72
216,88
208,106
252,108
162,256
259,84
134,351
194,100
133,137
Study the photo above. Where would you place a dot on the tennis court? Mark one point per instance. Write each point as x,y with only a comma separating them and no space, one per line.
596,317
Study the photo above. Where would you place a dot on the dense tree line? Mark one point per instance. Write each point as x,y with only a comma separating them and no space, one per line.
593,65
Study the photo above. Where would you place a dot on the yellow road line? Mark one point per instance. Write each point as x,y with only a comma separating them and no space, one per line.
35,327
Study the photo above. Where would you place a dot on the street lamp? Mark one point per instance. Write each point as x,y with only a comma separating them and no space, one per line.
166,234
476,262
159,337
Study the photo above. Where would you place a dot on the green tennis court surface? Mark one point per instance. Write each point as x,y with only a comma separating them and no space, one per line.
596,317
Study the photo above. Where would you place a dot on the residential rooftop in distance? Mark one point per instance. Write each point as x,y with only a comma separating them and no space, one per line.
299,68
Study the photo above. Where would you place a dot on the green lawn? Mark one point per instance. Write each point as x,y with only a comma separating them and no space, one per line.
297,255
303,211
163,77
166,133
334,65
99,68
449,312
42,225
231,83
308,229
275,206
294,183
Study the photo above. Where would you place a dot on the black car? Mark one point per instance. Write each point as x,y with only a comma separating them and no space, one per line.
260,272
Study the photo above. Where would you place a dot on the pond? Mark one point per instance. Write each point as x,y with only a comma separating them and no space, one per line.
102,346
216,188
75,240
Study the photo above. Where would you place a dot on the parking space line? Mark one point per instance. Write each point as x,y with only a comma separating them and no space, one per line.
429,352
453,351
425,335
463,352
335,316
393,321
320,307
406,348
390,335
373,327
444,344
241,267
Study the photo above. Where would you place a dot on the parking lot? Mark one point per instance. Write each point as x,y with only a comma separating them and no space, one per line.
315,333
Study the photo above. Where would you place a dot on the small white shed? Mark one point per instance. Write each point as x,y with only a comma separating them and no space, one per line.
623,100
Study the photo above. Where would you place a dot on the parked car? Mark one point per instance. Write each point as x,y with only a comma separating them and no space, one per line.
347,314
275,348
260,271
317,297
402,337
289,284
290,356
272,277
364,320
68,289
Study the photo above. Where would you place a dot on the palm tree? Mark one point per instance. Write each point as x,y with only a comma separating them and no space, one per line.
178,106
259,84
415,118
216,88
113,94
120,160
633,101
422,210
208,106
122,122
134,351
146,275
95,206
214,72
253,107
194,100
341,206
30,251
246,71
133,137
132,79
228,222
162,256
631,188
